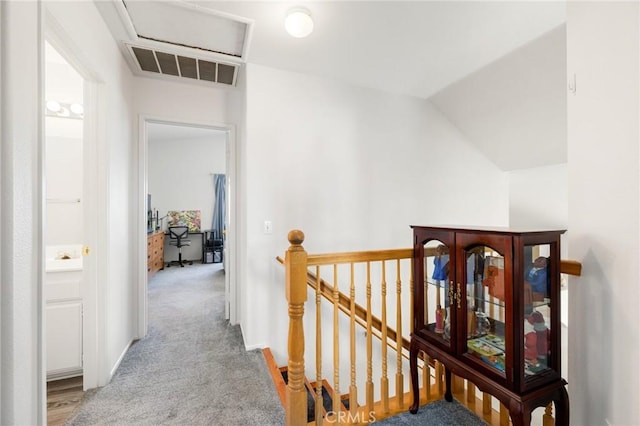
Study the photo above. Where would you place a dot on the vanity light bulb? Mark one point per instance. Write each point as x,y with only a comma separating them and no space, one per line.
77,109
53,106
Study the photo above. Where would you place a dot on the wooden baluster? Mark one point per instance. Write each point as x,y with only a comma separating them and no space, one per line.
296,292
547,418
369,389
384,380
504,415
426,377
439,381
486,403
336,345
471,393
353,389
457,385
318,407
399,376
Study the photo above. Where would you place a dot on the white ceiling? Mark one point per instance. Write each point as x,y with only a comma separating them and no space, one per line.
415,48
495,68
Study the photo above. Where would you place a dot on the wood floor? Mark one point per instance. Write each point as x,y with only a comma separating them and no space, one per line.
63,396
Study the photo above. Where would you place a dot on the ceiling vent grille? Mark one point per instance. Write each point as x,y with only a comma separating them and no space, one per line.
170,64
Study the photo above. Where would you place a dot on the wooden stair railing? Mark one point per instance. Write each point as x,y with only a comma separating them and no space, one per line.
344,304
298,277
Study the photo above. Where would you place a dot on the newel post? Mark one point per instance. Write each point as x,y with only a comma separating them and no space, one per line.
296,287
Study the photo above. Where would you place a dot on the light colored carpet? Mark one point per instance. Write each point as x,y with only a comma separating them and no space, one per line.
437,413
191,369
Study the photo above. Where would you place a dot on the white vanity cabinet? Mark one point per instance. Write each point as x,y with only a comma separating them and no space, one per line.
63,292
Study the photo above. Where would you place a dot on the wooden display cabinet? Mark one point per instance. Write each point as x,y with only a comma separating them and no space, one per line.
487,305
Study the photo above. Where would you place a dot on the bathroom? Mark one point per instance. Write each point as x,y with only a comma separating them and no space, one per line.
64,226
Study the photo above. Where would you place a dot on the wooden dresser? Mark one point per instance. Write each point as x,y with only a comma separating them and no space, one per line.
155,253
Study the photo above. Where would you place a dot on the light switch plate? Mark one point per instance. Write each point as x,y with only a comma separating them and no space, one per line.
268,227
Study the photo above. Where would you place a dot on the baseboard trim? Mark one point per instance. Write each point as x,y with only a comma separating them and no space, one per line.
120,358
254,347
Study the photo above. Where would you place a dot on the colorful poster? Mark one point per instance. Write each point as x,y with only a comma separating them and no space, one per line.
190,218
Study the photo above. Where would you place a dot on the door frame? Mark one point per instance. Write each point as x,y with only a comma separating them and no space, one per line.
230,257
95,198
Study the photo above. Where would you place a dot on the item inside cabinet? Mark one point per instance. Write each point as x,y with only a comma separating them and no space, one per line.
537,341
490,349
494,276
536,275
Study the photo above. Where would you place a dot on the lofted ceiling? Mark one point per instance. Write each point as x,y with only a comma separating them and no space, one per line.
514,109
491,67
413,48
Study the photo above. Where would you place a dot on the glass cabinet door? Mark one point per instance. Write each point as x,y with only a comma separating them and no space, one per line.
485,315
437,293
536,321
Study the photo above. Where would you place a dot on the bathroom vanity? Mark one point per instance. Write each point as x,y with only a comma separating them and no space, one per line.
63,296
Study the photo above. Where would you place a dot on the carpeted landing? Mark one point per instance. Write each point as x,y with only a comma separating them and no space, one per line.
191,369
437,413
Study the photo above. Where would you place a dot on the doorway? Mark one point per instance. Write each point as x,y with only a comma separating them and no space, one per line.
64,280
73,88
178,161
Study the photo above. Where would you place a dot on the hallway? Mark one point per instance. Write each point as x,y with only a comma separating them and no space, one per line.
192,367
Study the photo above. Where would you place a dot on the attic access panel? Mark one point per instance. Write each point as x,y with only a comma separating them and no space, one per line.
188,25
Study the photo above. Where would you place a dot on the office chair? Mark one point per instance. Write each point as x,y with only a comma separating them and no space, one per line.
178,235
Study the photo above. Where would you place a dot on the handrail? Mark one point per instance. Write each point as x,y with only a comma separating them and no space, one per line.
358,256
569,267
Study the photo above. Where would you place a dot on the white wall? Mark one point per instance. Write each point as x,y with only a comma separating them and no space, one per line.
91,42
64,154
23,390
604,344
538,197
180,178
22,386
181,102
64,162
514,109
352,168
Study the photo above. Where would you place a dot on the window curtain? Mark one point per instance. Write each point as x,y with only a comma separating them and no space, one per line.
220,206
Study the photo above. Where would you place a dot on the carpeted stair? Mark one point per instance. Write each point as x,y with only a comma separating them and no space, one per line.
327,396
436,413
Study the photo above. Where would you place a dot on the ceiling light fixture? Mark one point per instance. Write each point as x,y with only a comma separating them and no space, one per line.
298,22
